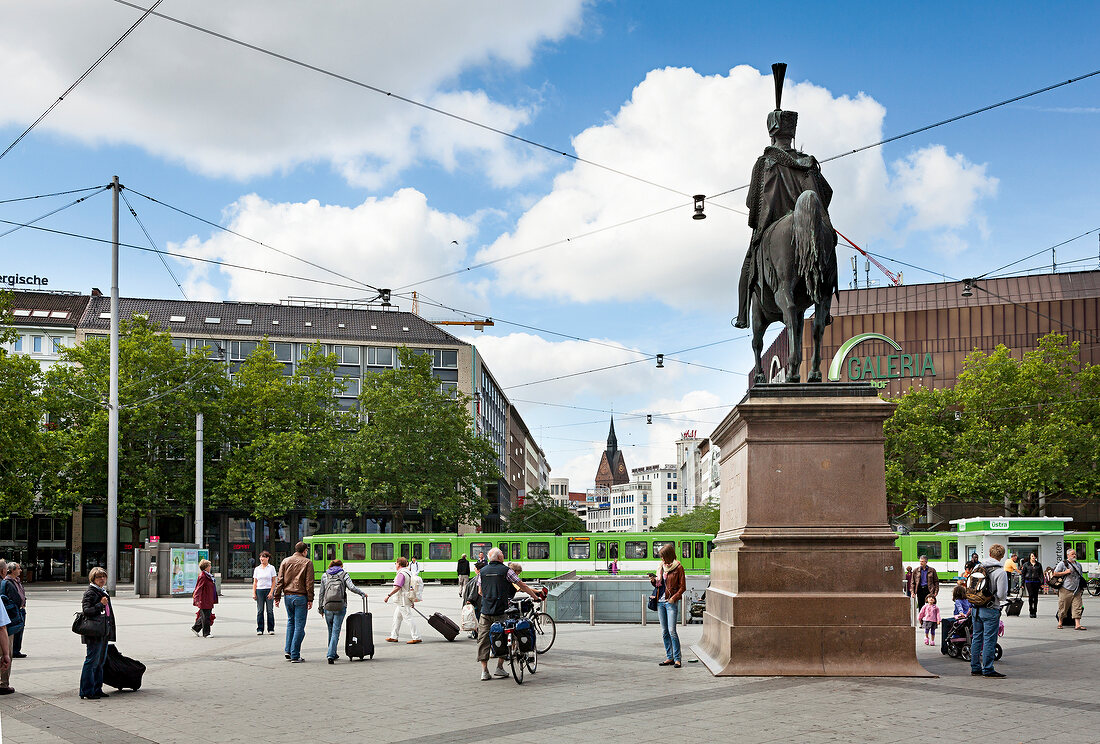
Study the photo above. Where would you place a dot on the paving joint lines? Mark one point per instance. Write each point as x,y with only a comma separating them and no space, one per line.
65,724
531,724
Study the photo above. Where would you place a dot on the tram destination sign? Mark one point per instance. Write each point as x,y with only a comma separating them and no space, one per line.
879,369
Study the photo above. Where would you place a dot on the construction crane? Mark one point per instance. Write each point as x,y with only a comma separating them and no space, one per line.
479,325
894,279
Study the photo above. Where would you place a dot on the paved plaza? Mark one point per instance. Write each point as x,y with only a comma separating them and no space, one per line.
597,684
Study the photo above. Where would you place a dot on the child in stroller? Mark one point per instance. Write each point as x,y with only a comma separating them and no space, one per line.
957,637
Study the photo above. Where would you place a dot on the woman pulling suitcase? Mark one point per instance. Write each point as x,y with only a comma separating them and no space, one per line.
332,603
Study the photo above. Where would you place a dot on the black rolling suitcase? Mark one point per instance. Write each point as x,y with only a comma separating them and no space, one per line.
121,671
359,641
447,627
1013,607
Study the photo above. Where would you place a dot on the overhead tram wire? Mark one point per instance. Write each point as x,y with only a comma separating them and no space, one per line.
403,99
1039,253
80,79
21,225
260,243
152,243
55,193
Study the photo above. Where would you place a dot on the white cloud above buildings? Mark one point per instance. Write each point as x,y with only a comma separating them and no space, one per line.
701,134
226,111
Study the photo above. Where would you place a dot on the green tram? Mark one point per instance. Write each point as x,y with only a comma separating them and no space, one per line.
370,557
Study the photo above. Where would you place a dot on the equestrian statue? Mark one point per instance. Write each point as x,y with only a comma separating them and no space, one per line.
790,264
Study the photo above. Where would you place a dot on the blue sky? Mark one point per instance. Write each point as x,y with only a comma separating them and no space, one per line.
673,93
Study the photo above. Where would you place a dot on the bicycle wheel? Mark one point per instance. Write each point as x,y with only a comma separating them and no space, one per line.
516,658
532,661
545,632
1094,587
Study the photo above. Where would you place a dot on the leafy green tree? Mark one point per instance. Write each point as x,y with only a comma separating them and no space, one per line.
540,513
283,435
417,448
1027,432
161,389
703,519
24,457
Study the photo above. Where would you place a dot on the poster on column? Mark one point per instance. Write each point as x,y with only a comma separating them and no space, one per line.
176,580
185,570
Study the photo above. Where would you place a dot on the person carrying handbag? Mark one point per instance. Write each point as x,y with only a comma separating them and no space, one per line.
97,610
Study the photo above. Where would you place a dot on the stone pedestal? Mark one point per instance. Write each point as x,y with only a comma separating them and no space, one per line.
805,577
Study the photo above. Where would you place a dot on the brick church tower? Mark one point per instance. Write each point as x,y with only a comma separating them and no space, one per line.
612,470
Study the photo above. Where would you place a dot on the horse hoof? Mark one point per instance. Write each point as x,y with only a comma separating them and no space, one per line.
796,378
759,379
814,377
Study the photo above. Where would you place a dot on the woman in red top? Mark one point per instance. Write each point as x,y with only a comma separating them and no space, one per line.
204,597
670,582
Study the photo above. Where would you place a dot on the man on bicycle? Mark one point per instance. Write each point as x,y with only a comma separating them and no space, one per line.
493,583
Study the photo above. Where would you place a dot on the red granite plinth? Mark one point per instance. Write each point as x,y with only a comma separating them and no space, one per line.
805,577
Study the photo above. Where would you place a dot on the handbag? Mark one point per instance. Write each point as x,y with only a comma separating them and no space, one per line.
90,627
653,597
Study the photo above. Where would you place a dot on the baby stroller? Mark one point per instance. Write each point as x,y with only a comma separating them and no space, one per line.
956,640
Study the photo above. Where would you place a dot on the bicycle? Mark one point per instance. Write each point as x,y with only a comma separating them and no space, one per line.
1093,587
518,658
546,630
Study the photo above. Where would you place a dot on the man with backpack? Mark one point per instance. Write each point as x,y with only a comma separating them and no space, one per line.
1071,591
986,590
332,602
405,587
496,584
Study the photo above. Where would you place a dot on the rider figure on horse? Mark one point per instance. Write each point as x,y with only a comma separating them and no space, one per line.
779,177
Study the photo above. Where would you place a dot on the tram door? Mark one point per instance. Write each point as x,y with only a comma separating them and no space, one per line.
411,550
601,556
685,556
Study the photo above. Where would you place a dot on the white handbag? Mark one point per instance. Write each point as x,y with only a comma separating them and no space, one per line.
469,619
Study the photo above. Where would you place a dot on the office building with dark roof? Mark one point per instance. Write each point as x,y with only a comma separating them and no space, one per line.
364,340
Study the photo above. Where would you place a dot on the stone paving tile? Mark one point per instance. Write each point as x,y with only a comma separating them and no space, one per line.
597,684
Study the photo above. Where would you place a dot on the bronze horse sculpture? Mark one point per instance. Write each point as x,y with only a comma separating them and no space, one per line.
791,262
796,270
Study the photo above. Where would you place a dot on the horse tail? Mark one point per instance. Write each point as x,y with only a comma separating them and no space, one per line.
814,247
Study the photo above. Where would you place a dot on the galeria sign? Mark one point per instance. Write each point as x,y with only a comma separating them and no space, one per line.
879,369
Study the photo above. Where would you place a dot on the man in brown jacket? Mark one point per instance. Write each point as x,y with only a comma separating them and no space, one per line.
924,581
295,580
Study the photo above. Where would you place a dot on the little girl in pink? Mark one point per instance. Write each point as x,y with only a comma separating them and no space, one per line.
930,616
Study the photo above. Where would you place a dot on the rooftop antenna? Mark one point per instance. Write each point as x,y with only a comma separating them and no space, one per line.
855,273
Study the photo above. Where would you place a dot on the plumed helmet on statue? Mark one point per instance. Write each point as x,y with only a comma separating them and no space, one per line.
781,123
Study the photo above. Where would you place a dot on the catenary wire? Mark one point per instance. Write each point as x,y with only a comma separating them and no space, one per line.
1039,252
21,225
152,243
80,79
55,193
403,99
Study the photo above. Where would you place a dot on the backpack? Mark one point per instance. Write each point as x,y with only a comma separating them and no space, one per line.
415,587
335,595
979,586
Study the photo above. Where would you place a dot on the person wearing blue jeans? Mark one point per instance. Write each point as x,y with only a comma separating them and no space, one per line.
671,582
263,576
295,580
332,602
987,620
666,611
297,608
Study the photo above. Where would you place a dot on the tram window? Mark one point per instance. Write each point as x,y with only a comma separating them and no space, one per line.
418,551
601,551
538,551
504,549
516,551
699,550
635,550
934,550
355,551
579,550
439,551
685,549
331,551
480,547
381,551
613,551
710,547
318,552
953,550
658,544
1080,549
